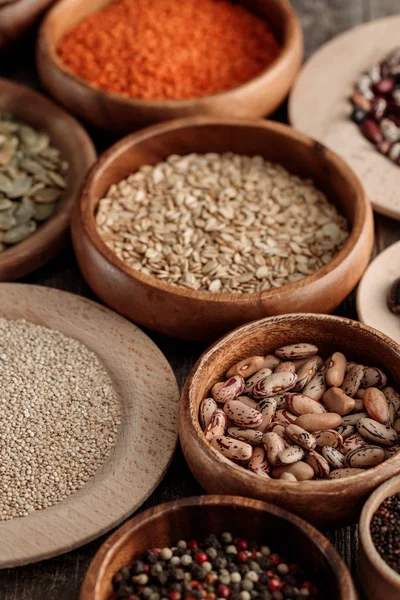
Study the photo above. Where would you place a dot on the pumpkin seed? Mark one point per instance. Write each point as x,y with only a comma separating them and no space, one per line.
5,204
5,184
20,186
7,220
44,211
19,232
25,211
47,196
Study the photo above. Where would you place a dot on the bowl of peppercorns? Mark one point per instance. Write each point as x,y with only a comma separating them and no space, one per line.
379,554
217,548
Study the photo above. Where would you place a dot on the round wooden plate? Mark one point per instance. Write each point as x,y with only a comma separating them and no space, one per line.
372,292
319,106
147,438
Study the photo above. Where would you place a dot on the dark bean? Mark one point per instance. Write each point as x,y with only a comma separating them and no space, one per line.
371,131
384,86
358,115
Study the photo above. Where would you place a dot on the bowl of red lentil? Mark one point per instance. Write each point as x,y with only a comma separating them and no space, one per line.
379,542
130,63
217,547
163,237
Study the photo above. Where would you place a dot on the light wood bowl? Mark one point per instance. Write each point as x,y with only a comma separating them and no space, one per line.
194,518
76,147
379,581
326,503
17,16
146,439
121,114
185,313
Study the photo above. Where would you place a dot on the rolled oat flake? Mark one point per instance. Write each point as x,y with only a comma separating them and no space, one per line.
59,417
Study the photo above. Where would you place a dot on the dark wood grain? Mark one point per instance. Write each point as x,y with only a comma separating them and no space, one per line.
60,578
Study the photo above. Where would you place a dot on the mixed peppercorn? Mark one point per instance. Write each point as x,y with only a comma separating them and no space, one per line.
385,531
217,569
376,105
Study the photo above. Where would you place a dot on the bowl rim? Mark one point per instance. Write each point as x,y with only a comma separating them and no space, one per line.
320,486
366,542
34,250
292,39
363,209
107,550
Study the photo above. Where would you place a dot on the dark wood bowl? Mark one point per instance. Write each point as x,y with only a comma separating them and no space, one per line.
17,16
194,518
182,312
121,114
76,147
322,502
379,581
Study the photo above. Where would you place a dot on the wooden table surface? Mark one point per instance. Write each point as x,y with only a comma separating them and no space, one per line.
60,578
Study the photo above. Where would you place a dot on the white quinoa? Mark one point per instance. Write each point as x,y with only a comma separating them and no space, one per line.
59,417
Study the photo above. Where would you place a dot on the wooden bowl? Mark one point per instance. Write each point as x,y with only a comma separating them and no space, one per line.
114,112
183,312
76,147
194,518
17,16
322,502
379,581
146,438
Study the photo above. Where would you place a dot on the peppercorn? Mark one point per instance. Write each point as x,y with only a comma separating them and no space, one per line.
358,115
385,531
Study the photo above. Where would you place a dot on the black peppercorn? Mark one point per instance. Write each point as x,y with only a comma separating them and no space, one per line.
358,115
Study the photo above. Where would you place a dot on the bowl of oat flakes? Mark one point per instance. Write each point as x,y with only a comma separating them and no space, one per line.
195,226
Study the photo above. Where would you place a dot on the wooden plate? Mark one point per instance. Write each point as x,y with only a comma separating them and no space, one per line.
17,16
372,292
76,147
149,397
319,106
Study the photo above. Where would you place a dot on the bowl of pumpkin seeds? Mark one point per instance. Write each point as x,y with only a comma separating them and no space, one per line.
44,157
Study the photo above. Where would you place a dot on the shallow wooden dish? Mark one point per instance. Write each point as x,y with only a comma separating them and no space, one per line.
67,135
194,518
203,315
16,16
324,503
379,581
114,112
335,68
146,442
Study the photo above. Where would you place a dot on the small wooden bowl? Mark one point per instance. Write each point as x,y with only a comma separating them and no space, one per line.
194,518
183,312
322,502
76,147
379,581
114,112
17,16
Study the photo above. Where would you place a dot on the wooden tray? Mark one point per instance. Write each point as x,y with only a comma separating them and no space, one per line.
319,106
149,397
372,292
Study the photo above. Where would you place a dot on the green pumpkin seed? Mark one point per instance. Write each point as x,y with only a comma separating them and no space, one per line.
7,220
57,179
19,232
25,211
45,211
5,184
32,166
5,204
47,196
20,186
35,188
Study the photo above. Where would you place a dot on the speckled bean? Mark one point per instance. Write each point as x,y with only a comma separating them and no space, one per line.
393,396
373,377
290,455
273,384
307,372
258,463
207,409
335,458
229,390
277,427
336,370
342,473
353,442
329,437
300,404
352,380
251,436
242,415
267,407
216,425
316,388
367,456
313,423
318,463
232,449
337,401
251,382
247,367
358,405
301,437
273,445
359,393
354,418
346,430
250,402
376,405
376,432
285,416
294,351
285,367
288,477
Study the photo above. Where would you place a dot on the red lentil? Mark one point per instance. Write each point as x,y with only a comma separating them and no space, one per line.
158,49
